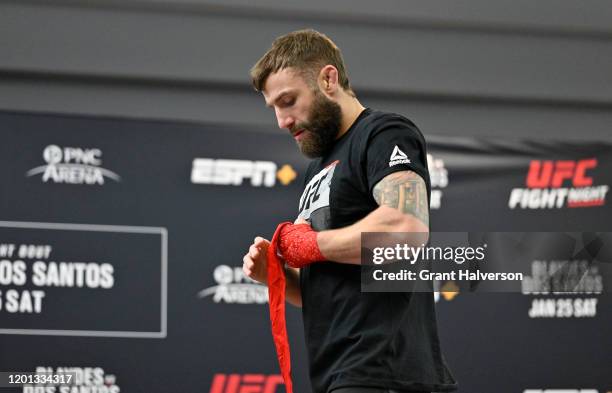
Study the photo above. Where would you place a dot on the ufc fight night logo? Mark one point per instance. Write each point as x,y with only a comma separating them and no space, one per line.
73,165
246,383
559,184
236,172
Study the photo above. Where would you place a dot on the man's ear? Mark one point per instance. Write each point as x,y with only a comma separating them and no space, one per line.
328,79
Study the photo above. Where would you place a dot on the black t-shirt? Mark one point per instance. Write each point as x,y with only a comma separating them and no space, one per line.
386,340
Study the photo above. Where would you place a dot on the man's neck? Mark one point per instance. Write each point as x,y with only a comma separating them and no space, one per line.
351,109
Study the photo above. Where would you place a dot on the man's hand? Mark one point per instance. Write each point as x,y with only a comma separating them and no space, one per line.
255,262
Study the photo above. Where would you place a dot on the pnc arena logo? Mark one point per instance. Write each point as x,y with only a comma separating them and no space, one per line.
237,172
234,287
73,165
559,184
246,383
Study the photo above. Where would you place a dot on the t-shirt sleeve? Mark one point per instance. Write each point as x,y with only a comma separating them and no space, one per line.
396,146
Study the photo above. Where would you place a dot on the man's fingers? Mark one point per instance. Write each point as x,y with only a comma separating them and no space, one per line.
248,261
300,220
260,241
246,270
247,265
253,251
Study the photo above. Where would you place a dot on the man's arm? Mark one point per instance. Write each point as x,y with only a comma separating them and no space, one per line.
405,191
293,293
402,197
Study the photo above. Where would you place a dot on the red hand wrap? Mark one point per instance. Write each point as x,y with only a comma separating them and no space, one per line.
298,245
287,239
276,297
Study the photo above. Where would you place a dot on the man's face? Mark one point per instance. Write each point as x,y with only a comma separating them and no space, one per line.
311,117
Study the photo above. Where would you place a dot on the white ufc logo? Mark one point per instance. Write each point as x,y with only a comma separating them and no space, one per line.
233,172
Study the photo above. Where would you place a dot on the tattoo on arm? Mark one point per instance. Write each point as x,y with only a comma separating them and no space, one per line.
406,191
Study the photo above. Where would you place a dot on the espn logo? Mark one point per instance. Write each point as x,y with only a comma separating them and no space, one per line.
246,383
233,172
543,174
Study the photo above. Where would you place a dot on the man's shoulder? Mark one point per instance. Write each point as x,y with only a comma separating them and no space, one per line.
380,115
376,121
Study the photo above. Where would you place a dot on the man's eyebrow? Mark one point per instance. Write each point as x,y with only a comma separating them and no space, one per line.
280,96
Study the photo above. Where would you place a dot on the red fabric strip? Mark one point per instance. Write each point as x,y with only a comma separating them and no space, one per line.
276,297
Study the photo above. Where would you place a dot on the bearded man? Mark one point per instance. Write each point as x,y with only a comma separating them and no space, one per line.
368,174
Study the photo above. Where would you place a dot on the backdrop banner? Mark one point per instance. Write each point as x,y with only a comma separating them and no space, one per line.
121,245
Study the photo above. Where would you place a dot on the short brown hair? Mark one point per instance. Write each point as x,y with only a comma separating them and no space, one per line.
305,50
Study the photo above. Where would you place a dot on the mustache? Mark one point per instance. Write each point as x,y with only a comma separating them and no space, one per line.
299,128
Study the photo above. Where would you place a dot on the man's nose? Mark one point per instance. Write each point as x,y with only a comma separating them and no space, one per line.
285,121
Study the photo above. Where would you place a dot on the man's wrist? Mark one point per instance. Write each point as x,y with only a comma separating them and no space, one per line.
298,245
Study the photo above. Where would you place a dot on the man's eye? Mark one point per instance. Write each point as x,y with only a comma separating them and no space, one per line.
289,102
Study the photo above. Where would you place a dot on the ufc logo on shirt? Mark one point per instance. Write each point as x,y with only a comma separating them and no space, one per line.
316,193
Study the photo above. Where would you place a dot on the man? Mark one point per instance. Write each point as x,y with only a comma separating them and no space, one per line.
368,174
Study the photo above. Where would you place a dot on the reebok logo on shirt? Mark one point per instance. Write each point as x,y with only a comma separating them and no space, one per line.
398,157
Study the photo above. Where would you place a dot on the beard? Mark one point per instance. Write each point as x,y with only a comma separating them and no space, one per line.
323,127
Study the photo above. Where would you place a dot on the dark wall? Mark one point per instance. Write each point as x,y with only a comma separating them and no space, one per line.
471,68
